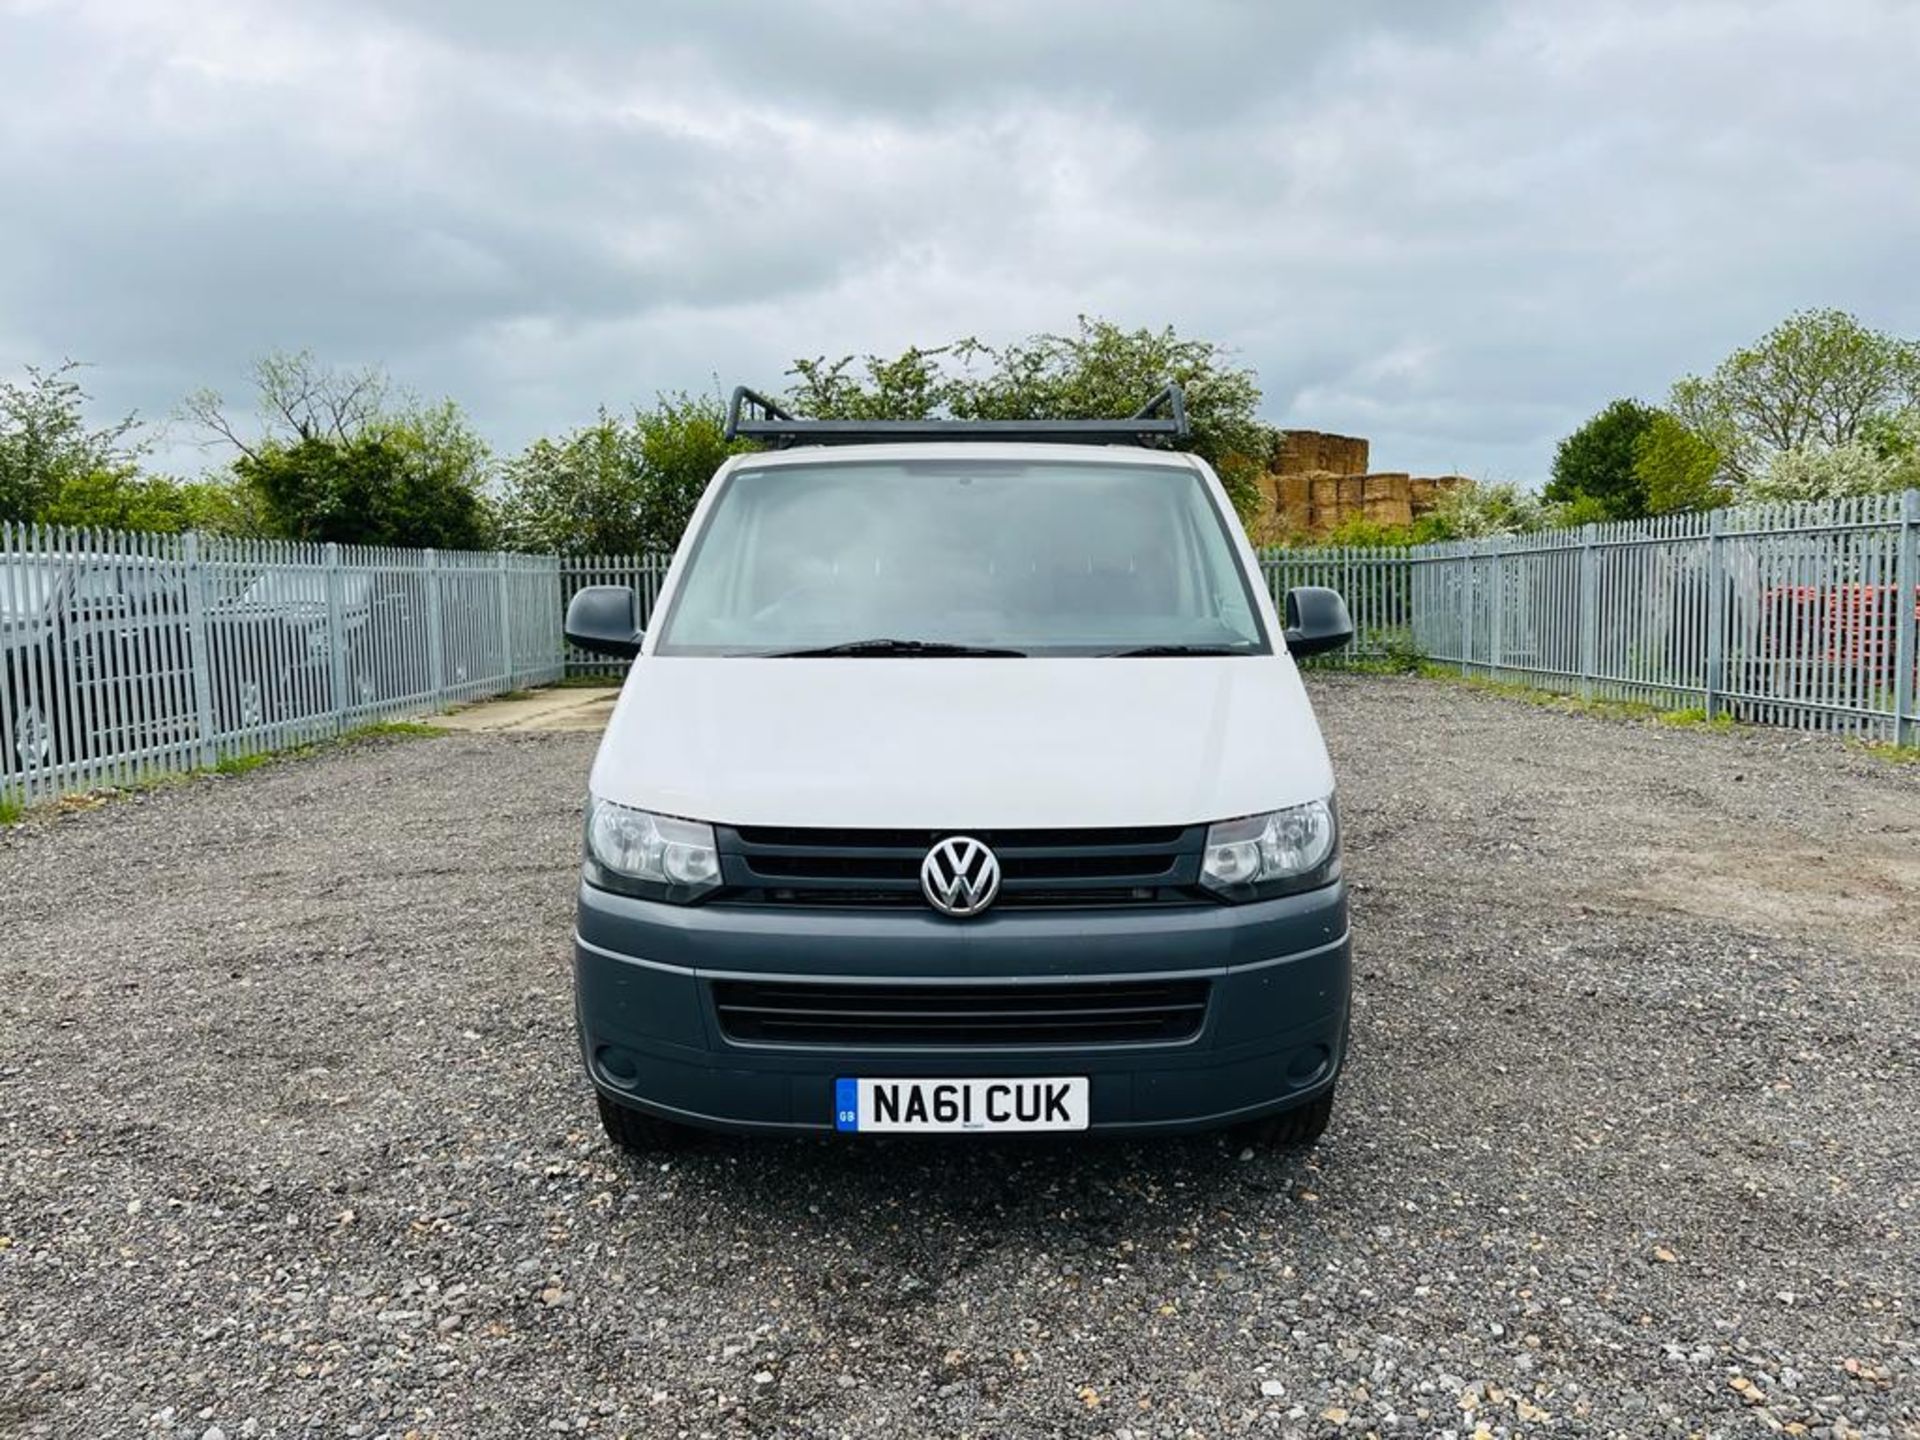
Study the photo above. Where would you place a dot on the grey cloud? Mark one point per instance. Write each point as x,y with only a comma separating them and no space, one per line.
1197,62
1458,229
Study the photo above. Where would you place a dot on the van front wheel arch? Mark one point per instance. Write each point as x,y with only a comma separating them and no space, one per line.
1301,1125
637,1133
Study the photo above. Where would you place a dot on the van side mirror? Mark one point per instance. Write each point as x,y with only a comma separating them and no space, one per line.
605,619
1317,620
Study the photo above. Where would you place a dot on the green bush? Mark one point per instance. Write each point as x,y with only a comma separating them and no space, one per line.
396,485
55,469
334,455
1678,467
1593,467
1397,654
1099,370
622,485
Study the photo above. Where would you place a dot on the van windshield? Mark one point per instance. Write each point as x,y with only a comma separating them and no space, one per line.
1038,557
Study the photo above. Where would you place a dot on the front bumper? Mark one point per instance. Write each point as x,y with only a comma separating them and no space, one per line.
1279,976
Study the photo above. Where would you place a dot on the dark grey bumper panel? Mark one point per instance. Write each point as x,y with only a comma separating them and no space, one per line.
1278,973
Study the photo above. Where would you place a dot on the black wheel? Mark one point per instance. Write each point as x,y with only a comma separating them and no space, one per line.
32,732
362,688
1301,1125
639,1134
250,704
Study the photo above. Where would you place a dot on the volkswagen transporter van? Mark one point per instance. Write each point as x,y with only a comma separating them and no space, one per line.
963,781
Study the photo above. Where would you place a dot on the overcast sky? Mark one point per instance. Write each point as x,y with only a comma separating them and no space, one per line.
1455,228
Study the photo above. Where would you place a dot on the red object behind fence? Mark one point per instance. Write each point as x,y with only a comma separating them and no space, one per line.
1853,627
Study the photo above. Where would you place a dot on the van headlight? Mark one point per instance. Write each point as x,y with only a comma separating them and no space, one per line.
656,857
1259,856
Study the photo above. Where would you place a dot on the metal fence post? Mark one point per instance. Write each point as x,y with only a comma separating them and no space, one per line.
1497,602
506,616
556,641
1906,579
1716,616
1352,647
1466,607
199,651
1589,615
336,640
568,568
436,639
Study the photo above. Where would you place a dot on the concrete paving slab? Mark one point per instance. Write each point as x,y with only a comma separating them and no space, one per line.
559,708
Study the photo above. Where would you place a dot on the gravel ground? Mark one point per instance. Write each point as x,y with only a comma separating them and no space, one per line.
295,1139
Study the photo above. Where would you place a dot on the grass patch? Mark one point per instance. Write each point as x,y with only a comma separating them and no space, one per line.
1695,715
392,729
13,810
1393,653
1369,665
241,764
1635,710
1888,751
590,682
379,730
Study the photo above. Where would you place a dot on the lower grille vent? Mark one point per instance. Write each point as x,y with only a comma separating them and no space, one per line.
859,1014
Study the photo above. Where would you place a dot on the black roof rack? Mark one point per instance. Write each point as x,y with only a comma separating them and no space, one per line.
752,416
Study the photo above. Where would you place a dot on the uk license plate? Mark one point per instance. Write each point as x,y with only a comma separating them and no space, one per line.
888,1106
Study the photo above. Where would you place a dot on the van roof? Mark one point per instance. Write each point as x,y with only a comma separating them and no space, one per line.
1031,453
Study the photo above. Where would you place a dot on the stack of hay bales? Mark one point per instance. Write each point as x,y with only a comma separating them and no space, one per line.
1314,452
1317,482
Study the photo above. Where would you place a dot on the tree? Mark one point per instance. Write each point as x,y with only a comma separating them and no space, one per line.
581,494
335,456
1895,436
445,468
126,500
47,449
1099,370
1474,509
217,505
912,386
682,442
1595,465
620,485
1883,459
383,487
297,398
1677,467
1819,380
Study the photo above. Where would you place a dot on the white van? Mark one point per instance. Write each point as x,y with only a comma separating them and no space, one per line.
963,781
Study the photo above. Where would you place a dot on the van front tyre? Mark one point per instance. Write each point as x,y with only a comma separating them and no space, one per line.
1301,1125
636,1133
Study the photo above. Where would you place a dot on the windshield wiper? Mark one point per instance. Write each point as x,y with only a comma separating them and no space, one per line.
885,647
1145,651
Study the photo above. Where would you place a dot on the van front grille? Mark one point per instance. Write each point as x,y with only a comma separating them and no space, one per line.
869,869
861,1014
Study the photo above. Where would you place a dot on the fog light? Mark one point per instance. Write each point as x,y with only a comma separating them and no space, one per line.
622,1065
1307,1064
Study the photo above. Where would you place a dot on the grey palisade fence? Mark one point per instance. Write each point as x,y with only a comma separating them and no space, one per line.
1795,615
1800,615
122,656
